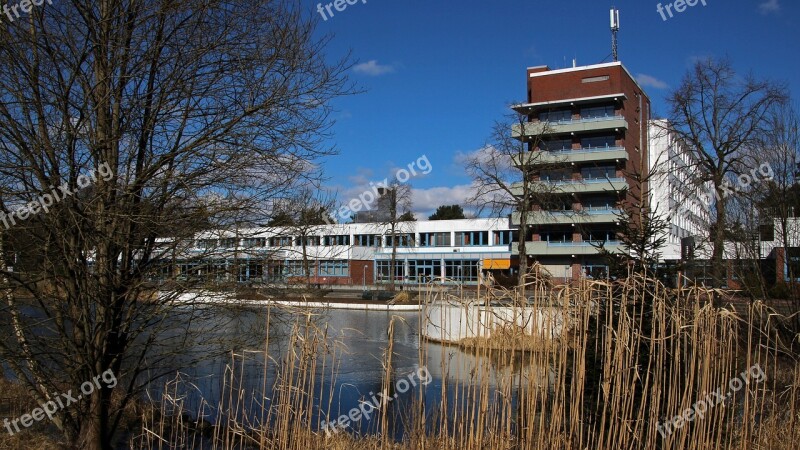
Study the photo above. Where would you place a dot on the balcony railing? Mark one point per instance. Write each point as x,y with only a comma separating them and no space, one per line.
581,120
584,181
593,243
587,150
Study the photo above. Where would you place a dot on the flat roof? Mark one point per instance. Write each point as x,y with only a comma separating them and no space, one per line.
568,100
581,68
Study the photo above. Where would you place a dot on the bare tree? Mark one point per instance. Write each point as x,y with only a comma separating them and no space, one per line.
721,115
780,195
393,206
303,216
127,129
503,181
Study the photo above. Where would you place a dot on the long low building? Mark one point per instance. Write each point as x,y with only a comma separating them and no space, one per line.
449,251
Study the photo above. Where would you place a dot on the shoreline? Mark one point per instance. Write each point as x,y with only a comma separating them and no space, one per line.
333,303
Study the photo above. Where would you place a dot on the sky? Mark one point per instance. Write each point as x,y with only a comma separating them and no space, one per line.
437,74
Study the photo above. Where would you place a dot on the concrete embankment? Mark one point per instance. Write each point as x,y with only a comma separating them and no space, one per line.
229,299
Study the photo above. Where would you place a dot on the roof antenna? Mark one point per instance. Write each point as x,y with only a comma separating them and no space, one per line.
614,31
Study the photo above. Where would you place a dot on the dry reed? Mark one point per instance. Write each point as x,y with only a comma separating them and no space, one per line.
629,356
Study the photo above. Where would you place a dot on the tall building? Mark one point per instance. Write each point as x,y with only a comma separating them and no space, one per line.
675,193
590,125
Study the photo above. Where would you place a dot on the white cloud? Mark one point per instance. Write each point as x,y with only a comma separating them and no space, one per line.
650,81
373,68
769,6
425,201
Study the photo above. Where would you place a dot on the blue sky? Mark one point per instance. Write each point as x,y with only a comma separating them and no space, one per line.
438,73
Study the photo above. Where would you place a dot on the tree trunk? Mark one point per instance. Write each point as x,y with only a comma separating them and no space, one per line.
393,269
93,434
718,269
523,255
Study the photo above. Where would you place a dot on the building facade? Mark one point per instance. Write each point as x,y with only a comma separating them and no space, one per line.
358,254
594,121
675,193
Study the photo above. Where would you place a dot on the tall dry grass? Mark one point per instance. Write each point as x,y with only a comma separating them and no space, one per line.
632,354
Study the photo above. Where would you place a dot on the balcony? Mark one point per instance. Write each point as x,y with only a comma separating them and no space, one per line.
540,248
586,216
569,126
574,156
575,186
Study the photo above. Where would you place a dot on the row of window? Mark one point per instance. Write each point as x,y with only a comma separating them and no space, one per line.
588,236
439,239
426,270
255,270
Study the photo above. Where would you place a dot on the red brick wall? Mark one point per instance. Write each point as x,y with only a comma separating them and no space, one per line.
566,85
357,271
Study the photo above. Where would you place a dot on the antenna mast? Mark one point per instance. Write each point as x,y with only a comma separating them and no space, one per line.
614,31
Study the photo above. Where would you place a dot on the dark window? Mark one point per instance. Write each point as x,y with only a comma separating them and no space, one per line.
338,268
556,145
434,239
600,172
472,238
594,112
598,142
563,115
367,240
331,240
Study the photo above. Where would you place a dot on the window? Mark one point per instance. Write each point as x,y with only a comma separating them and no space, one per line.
296,268
597,236
206,243
558,204
461,270
434,239
280,241
598,142
254,242
332,240
557,237
337,268
367,240
556,145
250,271
472,238
564,115
556,175
228,242
384,271
595,271
403,240
595,112
310,241
425,270
505,237
599,203
597,173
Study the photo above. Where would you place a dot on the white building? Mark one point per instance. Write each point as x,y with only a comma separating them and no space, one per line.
450,251
673,192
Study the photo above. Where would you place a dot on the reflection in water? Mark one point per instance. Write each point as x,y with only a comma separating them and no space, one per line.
351,349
